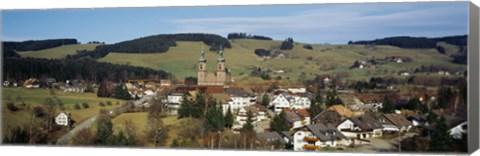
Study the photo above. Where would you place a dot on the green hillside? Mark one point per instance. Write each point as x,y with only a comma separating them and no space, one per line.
181,60
57,52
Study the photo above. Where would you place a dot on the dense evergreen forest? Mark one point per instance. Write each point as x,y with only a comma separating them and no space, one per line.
34,45
161,43
245,36
416,42
85,69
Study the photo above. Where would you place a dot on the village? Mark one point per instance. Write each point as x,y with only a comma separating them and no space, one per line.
298,118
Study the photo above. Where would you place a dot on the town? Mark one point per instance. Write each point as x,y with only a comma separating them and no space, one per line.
215,113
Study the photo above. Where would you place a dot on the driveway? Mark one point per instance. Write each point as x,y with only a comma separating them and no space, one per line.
64,140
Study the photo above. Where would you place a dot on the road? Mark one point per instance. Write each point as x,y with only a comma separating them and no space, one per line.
65,139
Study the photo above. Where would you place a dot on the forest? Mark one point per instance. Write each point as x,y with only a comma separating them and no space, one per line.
415,42
161,43
245,36
34,45
85,69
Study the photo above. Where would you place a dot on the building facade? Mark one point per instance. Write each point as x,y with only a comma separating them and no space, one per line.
206,78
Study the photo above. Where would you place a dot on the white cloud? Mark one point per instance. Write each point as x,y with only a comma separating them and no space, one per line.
338,24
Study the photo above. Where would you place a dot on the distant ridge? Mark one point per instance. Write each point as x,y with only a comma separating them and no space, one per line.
415,42
34,45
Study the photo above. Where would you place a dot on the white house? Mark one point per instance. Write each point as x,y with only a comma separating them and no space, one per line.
360,128
313,137
395,122
240,98
457,131
62,119
285,101
259,113
280,102
173,102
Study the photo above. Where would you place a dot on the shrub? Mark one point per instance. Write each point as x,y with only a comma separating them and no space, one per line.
441,49
109,103
76,106
38,111
11,106
101,104
85,105
309,47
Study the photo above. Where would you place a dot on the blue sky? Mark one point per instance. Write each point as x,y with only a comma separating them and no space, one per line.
314,23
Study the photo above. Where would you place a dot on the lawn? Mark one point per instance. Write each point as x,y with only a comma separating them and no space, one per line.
57,52
36,97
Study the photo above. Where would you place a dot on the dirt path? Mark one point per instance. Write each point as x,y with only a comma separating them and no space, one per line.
65,139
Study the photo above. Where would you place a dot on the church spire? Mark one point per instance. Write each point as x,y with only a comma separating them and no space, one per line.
220,52
202,56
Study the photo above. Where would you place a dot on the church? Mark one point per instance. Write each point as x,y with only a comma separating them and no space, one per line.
209,78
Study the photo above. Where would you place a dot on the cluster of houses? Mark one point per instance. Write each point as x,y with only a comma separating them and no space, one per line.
345,124
78,86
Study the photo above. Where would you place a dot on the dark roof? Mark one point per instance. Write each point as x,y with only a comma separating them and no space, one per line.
366,122
455,121
397,119
292,116
417,117
334,116
325,132
270,138
288,134
238,92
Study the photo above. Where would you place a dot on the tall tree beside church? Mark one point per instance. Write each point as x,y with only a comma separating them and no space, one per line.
441,139
229,118
214,120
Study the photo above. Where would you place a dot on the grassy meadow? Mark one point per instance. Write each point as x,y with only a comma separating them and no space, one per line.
181,60
57,52
36,97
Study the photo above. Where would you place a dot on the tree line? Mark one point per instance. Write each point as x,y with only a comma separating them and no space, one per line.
161,43
245,36
415,42
34,45
85,69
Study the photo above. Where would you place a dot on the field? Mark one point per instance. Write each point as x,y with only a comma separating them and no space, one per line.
57,52
35,97
299,62
140,122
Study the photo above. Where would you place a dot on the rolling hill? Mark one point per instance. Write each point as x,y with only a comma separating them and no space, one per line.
57,52
181,60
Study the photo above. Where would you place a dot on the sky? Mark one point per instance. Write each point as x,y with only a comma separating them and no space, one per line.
307,23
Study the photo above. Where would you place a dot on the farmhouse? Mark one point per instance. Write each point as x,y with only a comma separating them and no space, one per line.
395,122
314,137
360,128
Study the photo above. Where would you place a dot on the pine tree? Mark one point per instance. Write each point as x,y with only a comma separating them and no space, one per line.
388,106
265,100
229,118
248,126
279,123
315,108
441,139
214,118
185,108
104,132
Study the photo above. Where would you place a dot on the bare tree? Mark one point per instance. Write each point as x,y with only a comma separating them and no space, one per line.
83,137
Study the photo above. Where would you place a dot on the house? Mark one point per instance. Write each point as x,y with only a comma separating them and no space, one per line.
173,102
262,126
239,98
417,120
328,116
6,83
31,83
342,110
50,81
458,126
259,113
360,128
164,83
458,130
296,118
288,101
314,137
395,122
270,141
62,119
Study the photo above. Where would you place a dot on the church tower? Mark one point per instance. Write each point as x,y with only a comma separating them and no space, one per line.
202,68
221,71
